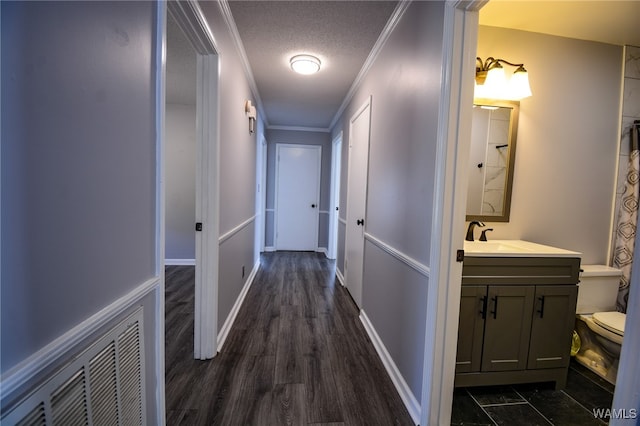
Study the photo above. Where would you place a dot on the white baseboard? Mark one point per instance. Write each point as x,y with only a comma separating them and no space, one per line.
269,249
228,323
180,262
340,277
30,368
322,250
403,389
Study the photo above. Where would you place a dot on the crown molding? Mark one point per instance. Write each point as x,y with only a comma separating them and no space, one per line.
235,35
400,9
300,129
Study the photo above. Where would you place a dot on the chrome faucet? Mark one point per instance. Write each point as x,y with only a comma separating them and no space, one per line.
472,225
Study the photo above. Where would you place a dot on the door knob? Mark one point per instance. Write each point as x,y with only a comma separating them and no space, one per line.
360,222
313,206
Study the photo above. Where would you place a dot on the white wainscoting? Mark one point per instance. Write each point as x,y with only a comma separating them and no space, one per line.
224,237
410,401
228,323
41,361
403,257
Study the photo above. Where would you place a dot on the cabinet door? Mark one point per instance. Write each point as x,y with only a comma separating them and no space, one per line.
553,321
507,328
471,328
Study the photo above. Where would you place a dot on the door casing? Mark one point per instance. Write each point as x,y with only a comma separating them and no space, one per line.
314,198
334,205
192,22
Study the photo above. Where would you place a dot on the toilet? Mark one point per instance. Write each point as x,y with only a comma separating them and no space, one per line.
599,326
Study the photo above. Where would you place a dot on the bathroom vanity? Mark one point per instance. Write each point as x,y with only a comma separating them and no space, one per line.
517,313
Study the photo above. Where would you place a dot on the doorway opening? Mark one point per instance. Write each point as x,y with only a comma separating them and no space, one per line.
189,20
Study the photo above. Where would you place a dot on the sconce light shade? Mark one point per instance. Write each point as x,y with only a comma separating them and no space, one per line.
496,83
519,84
492,83
305,64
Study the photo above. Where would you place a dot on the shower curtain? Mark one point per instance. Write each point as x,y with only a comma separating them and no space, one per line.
628,220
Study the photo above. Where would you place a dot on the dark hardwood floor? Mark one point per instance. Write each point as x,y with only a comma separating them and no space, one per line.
297,354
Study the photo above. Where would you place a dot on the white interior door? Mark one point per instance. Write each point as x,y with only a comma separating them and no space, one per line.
357,200
297,196
334,205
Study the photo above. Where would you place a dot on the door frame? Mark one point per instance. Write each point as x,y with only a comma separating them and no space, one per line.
190,18
354,117
460,34
261,195
334,193
279,146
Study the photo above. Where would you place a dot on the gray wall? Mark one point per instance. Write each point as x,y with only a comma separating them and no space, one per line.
237,166
275,137
78,168
405,86
565,165
180,189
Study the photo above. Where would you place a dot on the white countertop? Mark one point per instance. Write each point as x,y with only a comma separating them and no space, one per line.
514,248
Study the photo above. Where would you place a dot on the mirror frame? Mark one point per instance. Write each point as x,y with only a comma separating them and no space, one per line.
513,133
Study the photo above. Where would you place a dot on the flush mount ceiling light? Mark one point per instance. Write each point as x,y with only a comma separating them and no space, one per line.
305,64
492,83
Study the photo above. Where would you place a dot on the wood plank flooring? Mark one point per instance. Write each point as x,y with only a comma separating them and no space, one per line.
296,355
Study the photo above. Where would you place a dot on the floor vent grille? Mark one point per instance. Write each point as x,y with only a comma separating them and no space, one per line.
102,386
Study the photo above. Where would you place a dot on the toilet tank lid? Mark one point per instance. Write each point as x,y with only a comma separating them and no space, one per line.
612,321
599,271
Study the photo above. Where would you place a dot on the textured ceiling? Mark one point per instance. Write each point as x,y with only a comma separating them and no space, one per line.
341,34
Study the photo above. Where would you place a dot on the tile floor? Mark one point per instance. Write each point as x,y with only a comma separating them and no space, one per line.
535,404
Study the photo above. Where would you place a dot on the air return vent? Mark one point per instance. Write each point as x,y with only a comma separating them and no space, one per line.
101,386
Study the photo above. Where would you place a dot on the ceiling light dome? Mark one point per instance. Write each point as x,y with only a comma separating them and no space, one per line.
305,64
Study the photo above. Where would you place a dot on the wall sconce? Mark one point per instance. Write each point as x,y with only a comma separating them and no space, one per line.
492,83
250,111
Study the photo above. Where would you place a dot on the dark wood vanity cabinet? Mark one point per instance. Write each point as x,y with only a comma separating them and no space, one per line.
516,320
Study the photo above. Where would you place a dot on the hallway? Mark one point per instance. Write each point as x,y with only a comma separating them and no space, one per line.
296,354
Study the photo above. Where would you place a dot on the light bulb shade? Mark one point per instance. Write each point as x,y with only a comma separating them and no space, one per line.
496,85
305,64
519,85
480,91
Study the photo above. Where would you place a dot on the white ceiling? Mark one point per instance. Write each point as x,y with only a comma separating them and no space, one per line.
342,34
612,22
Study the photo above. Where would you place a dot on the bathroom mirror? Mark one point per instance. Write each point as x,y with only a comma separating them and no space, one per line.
491,160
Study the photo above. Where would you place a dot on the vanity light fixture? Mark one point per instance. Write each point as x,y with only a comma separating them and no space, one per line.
492,83
305,64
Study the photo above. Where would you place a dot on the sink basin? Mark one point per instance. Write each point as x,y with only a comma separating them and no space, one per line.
514,248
